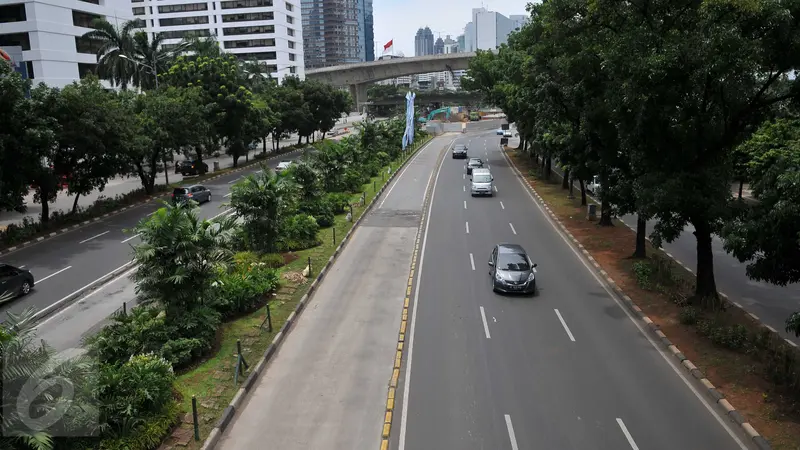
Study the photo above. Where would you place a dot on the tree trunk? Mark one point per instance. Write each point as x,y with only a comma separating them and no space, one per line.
741,188
571,188
565,180
641,235
583,191
75,203
166,171
264,145
299,139
548,167
706,288
143,178
323,135
198,151
605,214
43,195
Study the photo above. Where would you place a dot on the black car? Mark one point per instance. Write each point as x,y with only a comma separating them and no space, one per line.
192,167
198,193
474,163
460,151
14,281
511,270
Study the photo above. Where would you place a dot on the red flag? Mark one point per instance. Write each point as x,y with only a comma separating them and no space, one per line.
388,45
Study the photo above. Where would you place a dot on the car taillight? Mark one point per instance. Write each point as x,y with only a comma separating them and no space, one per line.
189,195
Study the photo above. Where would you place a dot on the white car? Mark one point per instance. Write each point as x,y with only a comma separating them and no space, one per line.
507,133
283,165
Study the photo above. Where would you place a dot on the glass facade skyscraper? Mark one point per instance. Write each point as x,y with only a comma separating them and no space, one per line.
337,32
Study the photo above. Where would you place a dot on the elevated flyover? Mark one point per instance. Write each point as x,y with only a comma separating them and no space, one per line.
359,75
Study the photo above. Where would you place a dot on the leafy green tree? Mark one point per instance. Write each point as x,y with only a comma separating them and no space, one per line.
40,144
232,112
153,58
179,257
263,200
693,79
116,45
14,154
88,137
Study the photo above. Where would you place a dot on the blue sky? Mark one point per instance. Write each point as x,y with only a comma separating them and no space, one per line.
400,19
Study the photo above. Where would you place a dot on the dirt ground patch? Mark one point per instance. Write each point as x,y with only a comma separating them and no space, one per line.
740,375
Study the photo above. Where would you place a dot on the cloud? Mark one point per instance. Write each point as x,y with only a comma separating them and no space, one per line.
400,20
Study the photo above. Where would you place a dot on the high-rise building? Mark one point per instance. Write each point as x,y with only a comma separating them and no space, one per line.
48,33
369,31
265,30
337,32
488,30
423,42
460,42
450,46
438,46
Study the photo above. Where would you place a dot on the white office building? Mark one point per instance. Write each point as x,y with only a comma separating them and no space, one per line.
48,34
488,30
269,31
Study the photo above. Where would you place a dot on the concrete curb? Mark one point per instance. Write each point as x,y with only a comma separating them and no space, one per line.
230,411
717,397
115,212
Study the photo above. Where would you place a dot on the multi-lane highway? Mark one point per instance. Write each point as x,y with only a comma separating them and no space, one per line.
69,262
566,369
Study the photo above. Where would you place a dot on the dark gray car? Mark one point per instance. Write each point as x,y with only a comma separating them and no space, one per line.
511,270
474,163
459,151
14,282
198,193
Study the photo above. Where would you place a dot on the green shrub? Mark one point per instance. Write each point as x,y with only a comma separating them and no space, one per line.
246,258
383,159
273,260
321,209
144,433
643,273
241,290
340,202
731,337
146,329
138,388
688,315
354,180
299,233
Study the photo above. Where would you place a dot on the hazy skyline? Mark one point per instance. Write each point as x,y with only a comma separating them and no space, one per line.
400,20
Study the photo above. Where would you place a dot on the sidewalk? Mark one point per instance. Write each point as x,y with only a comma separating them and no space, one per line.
124,185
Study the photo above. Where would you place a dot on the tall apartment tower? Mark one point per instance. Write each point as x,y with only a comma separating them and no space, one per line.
45,34
438,46
337,32
269,31
423,42
488,29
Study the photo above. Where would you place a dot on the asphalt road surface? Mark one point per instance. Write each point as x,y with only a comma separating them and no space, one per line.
566,369
326,388
70,261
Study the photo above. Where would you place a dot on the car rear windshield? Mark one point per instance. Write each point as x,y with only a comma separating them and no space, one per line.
514,262
179,191
482,178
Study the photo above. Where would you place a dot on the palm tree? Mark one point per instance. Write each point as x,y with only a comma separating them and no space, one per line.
153,58
203,46
179,256
258,77
116,42
263,200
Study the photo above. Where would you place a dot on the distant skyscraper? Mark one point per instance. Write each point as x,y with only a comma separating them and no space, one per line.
369,31
488,29
338,32
450,46
423,42
461,44
438,47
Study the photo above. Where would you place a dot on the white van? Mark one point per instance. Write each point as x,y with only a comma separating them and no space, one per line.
481,182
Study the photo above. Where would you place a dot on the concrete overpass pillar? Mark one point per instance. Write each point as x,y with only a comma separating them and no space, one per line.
359,94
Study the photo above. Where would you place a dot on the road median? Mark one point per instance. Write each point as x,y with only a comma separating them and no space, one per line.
746,369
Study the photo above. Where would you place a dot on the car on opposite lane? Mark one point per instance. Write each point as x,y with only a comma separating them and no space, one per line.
474,163
507,133
499,131
512,270
191,167
14,282
459,151
198,193
283,165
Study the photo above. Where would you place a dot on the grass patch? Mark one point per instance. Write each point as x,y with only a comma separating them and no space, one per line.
212,382
734,352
